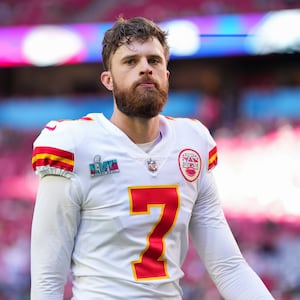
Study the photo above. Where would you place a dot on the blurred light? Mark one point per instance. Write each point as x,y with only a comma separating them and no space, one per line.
276,32
260,176
183,37
191,37
51,45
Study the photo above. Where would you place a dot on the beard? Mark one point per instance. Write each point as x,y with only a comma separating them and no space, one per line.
141,102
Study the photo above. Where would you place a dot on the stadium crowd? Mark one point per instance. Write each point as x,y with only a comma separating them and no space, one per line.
18,12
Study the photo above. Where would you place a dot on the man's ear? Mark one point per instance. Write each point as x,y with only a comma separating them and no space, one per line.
106,80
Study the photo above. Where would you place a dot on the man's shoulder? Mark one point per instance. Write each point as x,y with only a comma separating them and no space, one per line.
67,124
55,148
67,129
192,133
184,124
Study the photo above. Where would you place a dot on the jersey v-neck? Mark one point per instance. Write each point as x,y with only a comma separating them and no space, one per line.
166,133
146,147
159,152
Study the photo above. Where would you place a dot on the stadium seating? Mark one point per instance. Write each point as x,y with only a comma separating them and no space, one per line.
18,12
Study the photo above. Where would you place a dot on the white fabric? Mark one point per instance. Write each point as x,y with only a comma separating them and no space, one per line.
99,225
54,227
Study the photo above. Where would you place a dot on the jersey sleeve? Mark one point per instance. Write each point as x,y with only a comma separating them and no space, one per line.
54,151
212,153
54,226
214,241
208,145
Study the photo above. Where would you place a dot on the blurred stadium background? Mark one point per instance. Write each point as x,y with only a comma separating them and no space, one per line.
235,65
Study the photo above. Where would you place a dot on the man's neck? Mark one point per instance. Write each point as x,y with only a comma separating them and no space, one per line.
139,130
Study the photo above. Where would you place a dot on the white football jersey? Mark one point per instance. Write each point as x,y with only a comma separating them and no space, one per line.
136,208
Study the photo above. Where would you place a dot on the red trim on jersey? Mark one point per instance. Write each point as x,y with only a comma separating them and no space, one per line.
212,158
52,157
86,118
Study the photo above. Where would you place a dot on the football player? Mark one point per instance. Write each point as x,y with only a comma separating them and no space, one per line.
118,198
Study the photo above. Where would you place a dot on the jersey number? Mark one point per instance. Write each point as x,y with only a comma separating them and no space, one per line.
151,264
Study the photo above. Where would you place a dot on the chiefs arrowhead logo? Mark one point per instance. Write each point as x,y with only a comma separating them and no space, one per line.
189,164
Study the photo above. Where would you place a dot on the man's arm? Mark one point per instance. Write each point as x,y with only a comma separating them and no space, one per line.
219,251
55,222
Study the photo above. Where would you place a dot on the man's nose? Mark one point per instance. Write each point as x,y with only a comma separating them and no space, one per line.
145,68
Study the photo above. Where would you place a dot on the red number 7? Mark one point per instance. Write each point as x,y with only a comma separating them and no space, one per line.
152,264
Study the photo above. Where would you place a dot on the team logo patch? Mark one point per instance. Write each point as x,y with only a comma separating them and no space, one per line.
99,168
190,164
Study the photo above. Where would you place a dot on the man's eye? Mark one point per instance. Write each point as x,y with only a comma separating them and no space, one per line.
153,61
130,61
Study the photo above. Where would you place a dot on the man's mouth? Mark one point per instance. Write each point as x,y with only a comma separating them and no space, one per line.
147,84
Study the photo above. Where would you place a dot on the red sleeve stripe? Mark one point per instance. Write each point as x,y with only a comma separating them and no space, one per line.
212,158
52,157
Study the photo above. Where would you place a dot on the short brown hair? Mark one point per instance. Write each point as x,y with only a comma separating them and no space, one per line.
124,31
